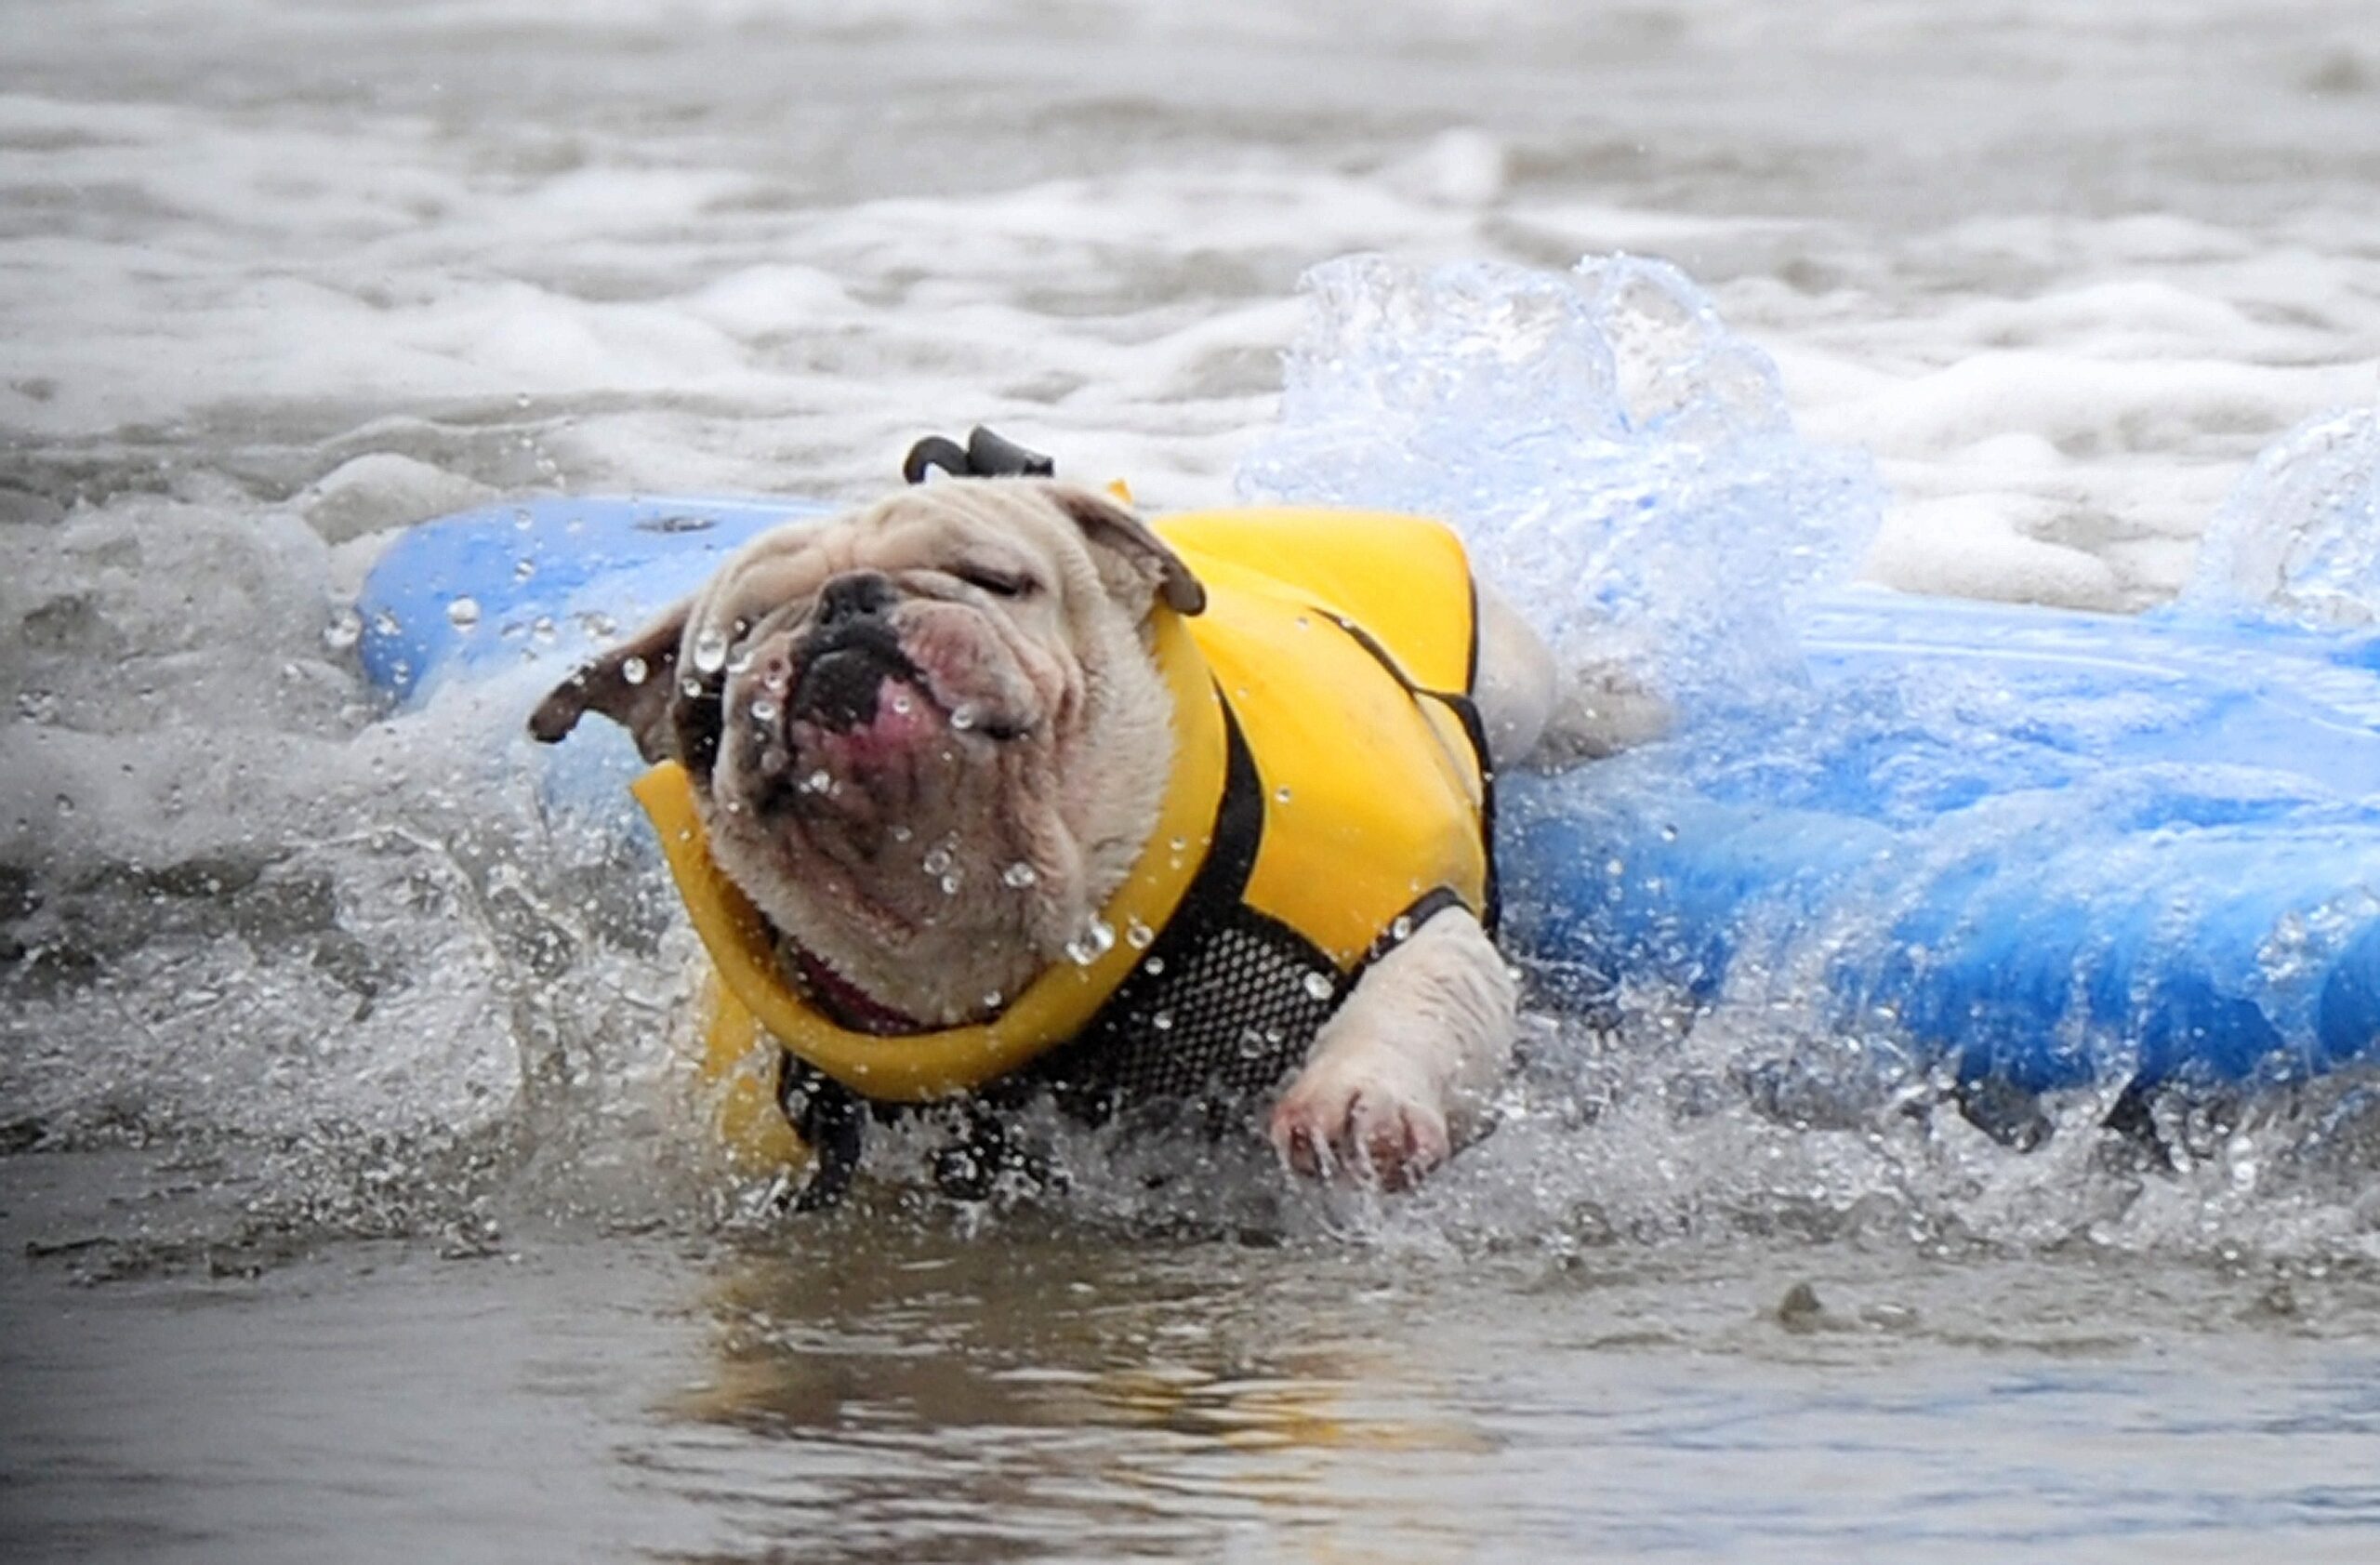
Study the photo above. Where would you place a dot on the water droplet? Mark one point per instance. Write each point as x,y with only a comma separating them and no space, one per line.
386,623
344,631
901,704
902,833
937,860
1303,623
818,781
1281,795
962,717
1162,1021
1137,935
463,613
1098,937
1019,874
763,710
690,687
524,569
522,517
542,628
633,670
1319,985
1614,866
65,805
1153,967
1668,833
710,652
950,885
2242,1156
1401,929
994,999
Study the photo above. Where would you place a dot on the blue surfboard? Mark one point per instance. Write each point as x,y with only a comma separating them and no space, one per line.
2012,844
2047,847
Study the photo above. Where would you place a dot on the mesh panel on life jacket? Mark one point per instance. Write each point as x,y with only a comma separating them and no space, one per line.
1219,1012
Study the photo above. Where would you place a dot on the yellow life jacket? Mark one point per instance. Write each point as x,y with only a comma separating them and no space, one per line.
1328,792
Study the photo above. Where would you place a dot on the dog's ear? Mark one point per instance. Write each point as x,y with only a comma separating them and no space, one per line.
1116,531
634,685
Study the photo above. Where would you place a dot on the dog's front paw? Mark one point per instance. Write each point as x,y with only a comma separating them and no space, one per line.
1371,1126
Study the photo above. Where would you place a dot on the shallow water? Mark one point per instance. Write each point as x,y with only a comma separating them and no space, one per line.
887,1385
346,1211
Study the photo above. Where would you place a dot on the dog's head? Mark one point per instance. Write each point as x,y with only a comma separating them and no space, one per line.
926,732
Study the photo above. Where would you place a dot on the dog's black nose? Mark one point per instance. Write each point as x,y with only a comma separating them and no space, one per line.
851,650
853,595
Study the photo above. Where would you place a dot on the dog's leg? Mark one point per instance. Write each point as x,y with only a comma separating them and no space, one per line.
1403,1070
1537,712
1517,687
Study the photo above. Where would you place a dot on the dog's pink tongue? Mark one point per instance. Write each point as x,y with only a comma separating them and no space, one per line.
903,719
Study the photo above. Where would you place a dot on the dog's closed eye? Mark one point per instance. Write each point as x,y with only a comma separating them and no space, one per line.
998,582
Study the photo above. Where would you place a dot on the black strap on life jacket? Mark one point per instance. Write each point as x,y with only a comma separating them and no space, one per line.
1474,731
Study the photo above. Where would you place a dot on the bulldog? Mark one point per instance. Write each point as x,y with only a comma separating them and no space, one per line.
992,787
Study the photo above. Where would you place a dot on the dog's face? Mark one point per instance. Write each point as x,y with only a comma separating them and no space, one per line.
926,739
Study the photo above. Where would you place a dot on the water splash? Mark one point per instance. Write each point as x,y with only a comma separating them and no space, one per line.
2300,536
348,975
1615,458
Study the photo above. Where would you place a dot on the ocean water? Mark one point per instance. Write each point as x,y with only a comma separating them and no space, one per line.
348,1209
